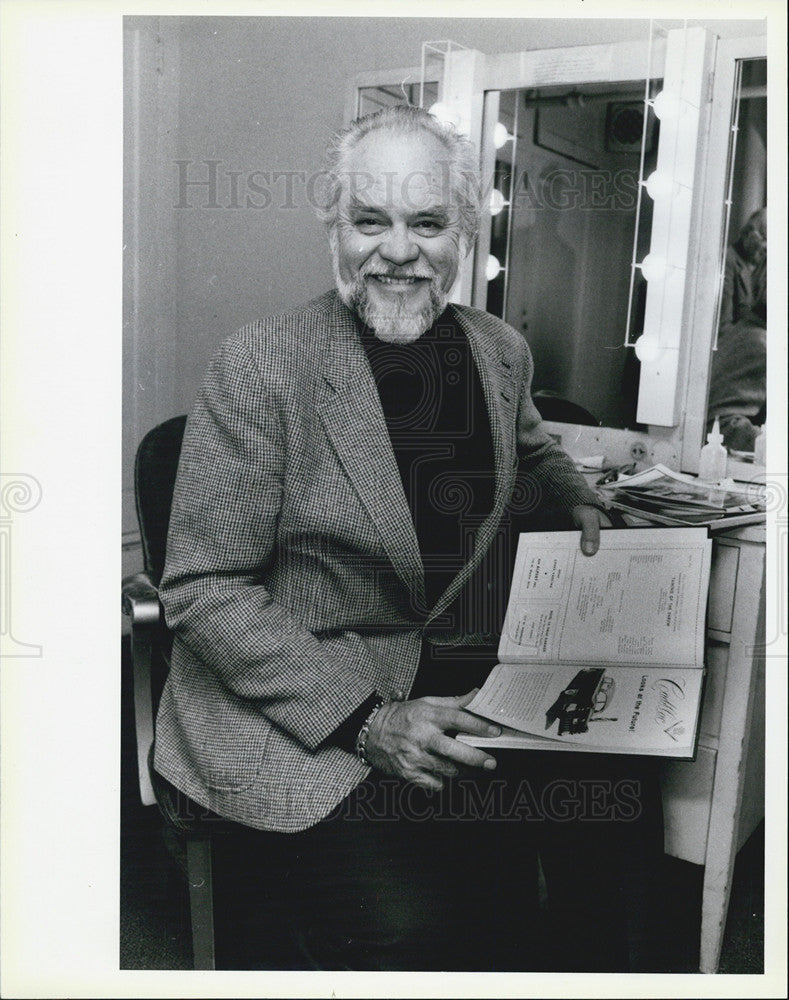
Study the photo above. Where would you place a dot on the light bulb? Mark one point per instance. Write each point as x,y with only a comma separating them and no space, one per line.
500,135
668,106
444,113
497,201
492,267
648,348
653,267
660,185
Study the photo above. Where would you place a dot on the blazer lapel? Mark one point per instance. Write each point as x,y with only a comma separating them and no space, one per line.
501,392
501,395
354,421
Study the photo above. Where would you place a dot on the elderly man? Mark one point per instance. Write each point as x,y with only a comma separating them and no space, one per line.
347,477
744,271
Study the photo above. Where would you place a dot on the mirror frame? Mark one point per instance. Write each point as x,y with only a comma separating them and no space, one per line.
713,223
683,59
377,78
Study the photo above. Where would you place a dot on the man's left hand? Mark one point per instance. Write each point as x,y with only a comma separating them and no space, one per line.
589,520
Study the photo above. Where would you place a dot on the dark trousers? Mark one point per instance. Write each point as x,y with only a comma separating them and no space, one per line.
400,879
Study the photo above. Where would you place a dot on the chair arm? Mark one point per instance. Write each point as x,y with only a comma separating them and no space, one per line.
140,600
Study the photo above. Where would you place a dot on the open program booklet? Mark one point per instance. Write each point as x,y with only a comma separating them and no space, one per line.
603,653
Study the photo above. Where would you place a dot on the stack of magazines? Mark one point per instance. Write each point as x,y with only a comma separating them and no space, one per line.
662,496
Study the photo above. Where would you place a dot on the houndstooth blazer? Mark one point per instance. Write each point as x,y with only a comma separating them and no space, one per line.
294,580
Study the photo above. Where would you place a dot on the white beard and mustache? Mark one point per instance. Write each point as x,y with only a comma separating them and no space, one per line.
396,324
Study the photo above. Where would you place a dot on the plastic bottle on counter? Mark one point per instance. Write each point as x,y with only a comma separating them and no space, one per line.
712,460
759,446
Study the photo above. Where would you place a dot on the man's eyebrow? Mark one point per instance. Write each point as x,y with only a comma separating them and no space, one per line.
360,206
433,212
430,211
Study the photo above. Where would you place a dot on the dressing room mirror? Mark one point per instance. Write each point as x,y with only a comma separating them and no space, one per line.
375,98
738,370
565,221
566,135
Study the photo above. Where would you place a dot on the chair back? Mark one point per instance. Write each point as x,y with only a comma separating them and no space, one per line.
155,470
561,410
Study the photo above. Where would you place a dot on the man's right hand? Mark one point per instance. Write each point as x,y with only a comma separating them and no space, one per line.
409,739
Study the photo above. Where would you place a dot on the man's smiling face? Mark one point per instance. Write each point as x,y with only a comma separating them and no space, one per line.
396,245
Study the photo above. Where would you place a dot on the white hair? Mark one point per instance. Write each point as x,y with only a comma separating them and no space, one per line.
407,120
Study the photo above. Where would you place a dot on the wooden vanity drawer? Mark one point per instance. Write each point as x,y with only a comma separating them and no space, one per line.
716,656
723,585
687,799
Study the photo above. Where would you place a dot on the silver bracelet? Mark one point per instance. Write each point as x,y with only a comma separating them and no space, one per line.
364,732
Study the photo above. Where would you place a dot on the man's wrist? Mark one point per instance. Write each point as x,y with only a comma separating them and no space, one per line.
364,732
345,735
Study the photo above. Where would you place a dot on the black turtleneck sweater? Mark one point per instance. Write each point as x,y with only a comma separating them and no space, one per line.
435,411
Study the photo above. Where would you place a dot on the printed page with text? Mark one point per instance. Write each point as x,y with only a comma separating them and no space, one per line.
603,653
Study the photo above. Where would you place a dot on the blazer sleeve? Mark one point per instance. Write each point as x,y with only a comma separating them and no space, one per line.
221,541
550,470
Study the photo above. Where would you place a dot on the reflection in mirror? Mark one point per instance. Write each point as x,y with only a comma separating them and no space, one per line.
370,99
565,237
738,373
